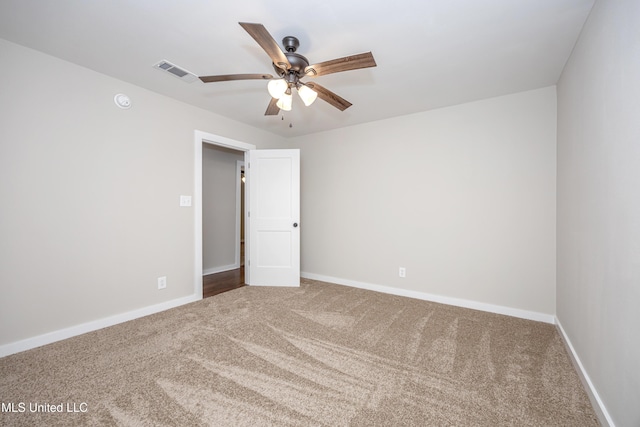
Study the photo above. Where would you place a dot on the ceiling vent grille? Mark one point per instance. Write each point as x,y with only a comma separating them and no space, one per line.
176,71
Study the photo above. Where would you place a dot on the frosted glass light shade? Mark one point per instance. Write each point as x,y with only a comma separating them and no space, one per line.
284,103
277,88
307,95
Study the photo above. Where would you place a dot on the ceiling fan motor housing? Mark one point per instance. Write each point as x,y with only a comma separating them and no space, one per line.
297,61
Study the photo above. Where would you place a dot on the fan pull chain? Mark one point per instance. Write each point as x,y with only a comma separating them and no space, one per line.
290,124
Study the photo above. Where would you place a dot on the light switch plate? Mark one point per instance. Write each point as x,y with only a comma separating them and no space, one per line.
185,200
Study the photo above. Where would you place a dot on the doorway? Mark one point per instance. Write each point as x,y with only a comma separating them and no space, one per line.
219,141
223,211
221,208
272,235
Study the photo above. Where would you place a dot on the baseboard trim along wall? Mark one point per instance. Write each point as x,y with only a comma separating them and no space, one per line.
594,397
51,337
498,309
220,269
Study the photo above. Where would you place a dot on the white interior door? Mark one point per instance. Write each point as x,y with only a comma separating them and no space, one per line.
273,217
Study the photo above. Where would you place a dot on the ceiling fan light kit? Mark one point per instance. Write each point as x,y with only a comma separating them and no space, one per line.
290,68
285,101
277,88
307,95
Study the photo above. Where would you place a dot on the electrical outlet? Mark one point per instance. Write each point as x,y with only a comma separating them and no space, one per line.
402,272
162,282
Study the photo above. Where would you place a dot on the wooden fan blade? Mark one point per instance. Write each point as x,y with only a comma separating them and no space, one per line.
330,97
228,77
353,62
272,108
266,42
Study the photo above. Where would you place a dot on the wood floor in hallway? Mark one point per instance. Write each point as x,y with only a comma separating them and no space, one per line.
213,284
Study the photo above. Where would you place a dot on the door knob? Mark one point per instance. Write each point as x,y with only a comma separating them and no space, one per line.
295,224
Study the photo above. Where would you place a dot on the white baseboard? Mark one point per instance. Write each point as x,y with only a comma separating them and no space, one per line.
48,338
220,269
498,309
594,397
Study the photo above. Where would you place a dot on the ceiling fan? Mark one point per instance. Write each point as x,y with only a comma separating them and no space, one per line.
290,68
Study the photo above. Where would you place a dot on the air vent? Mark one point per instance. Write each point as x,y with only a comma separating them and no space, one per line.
176,71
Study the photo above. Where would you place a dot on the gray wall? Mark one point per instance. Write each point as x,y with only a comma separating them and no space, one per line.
462,197
90,194
598,302
219,215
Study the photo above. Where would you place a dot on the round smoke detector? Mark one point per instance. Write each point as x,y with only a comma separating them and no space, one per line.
122,101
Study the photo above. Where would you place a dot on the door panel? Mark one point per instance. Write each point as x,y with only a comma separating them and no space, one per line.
273,215
274,188
274,249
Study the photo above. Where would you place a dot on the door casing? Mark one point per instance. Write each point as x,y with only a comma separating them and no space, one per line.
201,137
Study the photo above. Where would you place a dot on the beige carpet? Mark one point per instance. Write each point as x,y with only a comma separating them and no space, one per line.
318,355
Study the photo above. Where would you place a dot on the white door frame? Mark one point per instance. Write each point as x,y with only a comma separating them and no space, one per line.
239,213
201,137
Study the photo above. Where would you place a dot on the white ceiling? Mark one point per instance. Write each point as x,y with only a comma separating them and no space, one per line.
430,53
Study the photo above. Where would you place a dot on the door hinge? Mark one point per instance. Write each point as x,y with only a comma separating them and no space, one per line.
248,214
